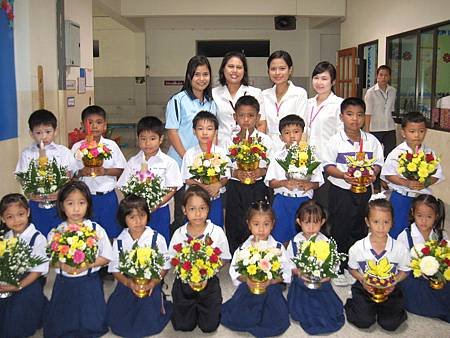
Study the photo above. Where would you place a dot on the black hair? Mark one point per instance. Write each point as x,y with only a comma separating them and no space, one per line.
205,115
225,60
280,54
259,206
196,190
68,188
291,119
380,203
311,211
325,66
9,199
128,204
42,117
384,67
92,110
194,62
413,117
247,100
150,123
438,207
353,101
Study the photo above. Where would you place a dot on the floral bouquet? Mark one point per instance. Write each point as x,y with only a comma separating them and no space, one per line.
259,264
317,259
16,258
432,261
196,261
208,167
74,245
141,264
92,153
360,167
380,276
300,162
418,166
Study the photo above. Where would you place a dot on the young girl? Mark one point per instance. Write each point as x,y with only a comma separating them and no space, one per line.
319,311
22,312
202,308
428,214
266,314
77,306
360,309
127,314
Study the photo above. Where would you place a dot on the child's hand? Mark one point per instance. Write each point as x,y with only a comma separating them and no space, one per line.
414,185
296,272
8,288
213,189
373,178
86,171
367,287
69,269
389,290
350,179
291,184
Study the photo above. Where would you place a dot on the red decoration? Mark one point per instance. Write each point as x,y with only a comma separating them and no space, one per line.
8,7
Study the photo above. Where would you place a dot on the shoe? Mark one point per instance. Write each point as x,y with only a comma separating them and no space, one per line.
340,280
349,277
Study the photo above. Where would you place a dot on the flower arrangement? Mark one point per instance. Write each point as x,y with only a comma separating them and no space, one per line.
300,161
91,150
361,168
196,261
380,276
417,166
74,245
208,167
317,259
248,151
432,261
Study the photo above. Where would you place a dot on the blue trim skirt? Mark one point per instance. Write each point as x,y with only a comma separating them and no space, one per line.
105,213
160,221
216,212
285,209
402,207
44,219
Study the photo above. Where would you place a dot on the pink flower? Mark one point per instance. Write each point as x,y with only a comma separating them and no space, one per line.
94,152
264,264
73,227
90,242
64,249
78,257
54,246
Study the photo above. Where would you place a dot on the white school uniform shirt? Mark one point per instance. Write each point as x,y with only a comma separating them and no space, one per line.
104,247
322,122
225,109
60,153
391,165
340,145
299,239
102,184
362,251
271,243
417,237
39,247
276,172
380,105
294,101
145,240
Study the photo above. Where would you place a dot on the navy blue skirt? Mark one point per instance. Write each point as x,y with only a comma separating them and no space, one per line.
21,314
77,308
318,311
130,316
263,315
422,300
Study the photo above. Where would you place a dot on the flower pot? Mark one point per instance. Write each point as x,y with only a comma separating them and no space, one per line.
378,295
436,284
92,163
248,166
211,180
141,282
361,187
259,287
46,203
312,283
198,286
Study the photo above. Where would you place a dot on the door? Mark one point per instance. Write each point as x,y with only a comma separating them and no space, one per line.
367,68
346,72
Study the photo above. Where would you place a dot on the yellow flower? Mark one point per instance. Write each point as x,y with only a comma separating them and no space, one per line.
185,250
276,266
411,166
211,172
143,255
423,172
417,273
11,242
431,168
251,269
401,170
447,274
415,160
209,250
196,278
302,156
381,269
2,247
210,272
320,249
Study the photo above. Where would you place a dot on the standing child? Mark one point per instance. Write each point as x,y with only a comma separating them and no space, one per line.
202,308
104,198
266,314
319,311
43,124
361,310
127,314
21,314
429,215
290,194
150,133
77,307
205,126
404,190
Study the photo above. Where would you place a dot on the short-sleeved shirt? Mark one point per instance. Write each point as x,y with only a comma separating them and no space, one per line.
145,240
417,237
380,105
299,239
181,110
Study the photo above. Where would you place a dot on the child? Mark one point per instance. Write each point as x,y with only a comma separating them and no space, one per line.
128,315
77,307
150,133
43,124
202,308
205,126
360,309
104,198
239,194
289,193
319,311
428,215
21,314
266,314
346,208
404,190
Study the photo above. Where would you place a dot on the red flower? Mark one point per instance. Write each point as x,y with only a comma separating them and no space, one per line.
175,261
233,152
187,266
447,261
409,156
254,150
236,139
263,155
178,247
426,250
203,272
196,246
444,243
189,240
213,258
217,251
429,157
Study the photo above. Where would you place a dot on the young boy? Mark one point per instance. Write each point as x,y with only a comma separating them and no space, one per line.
150,133
43,130
403,190
104,198
346,208
205,126
241,195
290,194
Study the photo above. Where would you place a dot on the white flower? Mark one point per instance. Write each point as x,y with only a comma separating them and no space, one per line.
206,163
429,265
357,174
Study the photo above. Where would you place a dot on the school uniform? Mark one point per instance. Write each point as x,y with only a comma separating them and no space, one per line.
128,315
402,197
192,308
263,315
360,310
287,202
45,219
419,297
21,314
318,311
167,169
104,198
77,306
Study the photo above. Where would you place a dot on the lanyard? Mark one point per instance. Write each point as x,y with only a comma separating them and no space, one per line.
313,117
385,98
277,107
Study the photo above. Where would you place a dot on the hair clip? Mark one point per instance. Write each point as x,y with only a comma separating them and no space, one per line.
379,196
